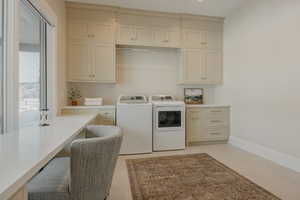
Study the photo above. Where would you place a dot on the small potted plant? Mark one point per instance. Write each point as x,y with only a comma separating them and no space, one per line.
74,95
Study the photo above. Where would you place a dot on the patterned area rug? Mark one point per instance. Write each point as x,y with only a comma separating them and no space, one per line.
190,177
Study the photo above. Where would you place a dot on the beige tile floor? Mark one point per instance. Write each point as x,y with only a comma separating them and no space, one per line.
279,180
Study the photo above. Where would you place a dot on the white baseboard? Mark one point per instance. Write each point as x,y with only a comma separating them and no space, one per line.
267,153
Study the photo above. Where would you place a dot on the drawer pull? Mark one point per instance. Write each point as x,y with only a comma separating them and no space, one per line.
195,111
215,133
216,111
215,121
195,118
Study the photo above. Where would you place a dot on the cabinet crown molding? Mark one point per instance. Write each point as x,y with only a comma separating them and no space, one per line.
121,10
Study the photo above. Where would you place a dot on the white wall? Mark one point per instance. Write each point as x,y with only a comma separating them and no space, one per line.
58,7
262,74
141,71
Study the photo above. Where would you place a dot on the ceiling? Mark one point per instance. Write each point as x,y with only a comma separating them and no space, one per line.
220,8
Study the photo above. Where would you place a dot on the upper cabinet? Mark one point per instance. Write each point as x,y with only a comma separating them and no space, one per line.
94,32
202,52
91,46
202,33
200,66
145,30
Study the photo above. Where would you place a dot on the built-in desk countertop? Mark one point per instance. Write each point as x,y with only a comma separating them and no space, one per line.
23,153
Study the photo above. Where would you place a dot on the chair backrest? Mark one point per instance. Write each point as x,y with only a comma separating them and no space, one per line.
93,162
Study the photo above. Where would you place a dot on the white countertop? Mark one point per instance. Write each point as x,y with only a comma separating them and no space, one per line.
23,153
206,106
90,107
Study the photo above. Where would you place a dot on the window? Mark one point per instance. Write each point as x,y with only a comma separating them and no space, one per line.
1,64
32,65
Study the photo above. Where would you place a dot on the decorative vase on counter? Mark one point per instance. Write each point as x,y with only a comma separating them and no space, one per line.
74,96
74,103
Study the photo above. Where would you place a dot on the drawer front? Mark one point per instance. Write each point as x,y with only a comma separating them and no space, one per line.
208,124
217,113
217,132
106,118
78,111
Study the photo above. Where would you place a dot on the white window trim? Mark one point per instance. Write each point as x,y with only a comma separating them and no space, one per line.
12,57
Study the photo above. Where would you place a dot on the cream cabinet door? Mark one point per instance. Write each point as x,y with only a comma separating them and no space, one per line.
144,36
196,125
134,35
214,40
102,33
161,37
174,39
213,67
126,35
79,60
194,70
104,63
201,66
166,38
78,29
194,39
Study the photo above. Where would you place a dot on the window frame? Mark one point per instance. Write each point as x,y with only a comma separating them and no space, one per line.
3,67
11,79
43,86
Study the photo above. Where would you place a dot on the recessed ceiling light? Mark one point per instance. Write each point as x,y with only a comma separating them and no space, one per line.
200,1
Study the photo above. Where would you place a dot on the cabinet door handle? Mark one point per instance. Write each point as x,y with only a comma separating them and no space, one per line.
203,78
165,41
203,43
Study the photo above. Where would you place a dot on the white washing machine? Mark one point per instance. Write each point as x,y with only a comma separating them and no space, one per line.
168,123
134,116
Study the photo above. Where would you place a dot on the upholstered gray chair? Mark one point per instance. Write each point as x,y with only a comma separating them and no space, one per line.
87,174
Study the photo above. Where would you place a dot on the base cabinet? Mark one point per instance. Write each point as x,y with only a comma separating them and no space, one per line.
208,124
106,116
